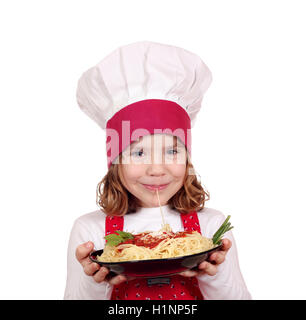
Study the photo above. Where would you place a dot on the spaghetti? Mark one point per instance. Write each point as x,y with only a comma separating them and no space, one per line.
157,245
162,244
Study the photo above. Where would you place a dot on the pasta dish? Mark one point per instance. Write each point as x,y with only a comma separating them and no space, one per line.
124,246
156,245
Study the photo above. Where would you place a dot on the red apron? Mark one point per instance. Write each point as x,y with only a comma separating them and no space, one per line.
174,287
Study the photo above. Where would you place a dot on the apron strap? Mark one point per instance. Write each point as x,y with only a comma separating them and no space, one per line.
191,221
113,223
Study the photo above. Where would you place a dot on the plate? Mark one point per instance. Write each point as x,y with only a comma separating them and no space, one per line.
154,267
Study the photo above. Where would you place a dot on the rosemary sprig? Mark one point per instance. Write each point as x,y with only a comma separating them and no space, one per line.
226,226
116,238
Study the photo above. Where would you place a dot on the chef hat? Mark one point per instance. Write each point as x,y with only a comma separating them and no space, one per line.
144,88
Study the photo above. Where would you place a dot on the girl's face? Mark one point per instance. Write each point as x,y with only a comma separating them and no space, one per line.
155,162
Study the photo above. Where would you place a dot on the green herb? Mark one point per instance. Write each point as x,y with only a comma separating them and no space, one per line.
226,226
125,235
116,238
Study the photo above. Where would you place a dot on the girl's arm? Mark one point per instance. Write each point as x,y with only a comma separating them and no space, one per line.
80,286
228,282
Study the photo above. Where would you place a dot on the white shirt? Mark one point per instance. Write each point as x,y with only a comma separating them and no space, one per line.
227,284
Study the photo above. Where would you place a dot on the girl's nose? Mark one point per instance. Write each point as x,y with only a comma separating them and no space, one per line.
154,169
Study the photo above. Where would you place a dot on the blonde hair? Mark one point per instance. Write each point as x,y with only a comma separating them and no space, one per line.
115,200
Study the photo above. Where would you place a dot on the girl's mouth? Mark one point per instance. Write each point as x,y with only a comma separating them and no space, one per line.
155,187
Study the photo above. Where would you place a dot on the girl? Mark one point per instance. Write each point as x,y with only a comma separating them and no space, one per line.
146,96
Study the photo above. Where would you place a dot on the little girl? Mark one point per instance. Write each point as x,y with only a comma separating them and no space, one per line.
146,95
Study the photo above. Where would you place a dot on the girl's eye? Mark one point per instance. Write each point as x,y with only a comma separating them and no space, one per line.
137,153
141,154
172,152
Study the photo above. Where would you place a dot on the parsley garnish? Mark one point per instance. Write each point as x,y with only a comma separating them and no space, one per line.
116,238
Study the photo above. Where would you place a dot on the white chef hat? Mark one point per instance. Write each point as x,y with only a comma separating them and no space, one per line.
148,84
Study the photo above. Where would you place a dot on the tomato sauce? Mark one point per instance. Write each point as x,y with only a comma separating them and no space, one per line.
150,241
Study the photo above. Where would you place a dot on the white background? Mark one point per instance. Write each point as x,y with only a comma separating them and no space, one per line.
248,141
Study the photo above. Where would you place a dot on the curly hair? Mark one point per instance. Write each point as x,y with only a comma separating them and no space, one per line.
115,200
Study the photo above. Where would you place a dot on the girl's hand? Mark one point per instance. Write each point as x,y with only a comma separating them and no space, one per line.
92,269
210,267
